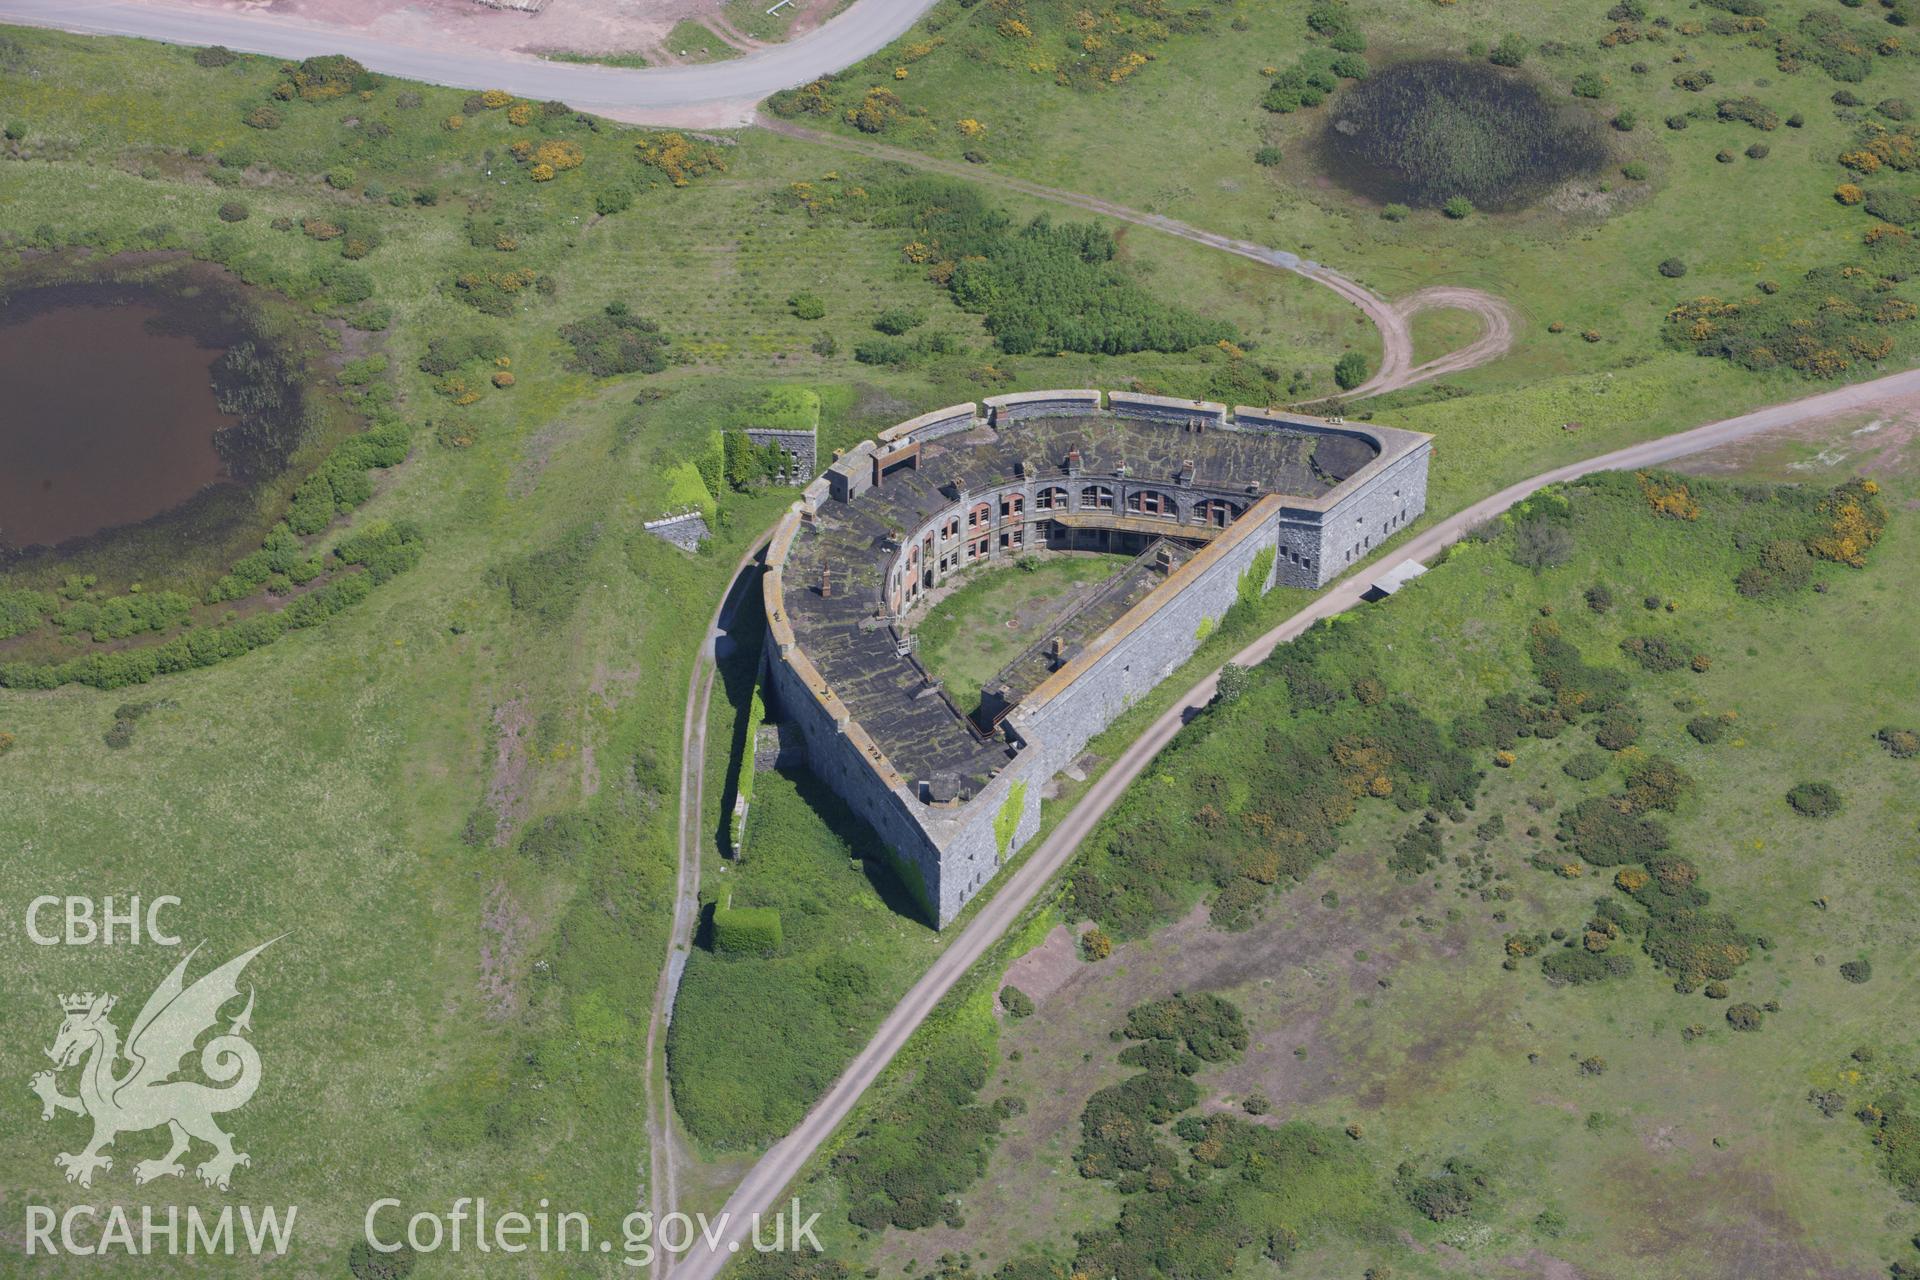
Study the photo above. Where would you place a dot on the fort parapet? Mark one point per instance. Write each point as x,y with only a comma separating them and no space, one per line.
1215,505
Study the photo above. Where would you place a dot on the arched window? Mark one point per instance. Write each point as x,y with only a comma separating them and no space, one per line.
1096,497
981,515
1151,502
1217,512
1013,504
1050,499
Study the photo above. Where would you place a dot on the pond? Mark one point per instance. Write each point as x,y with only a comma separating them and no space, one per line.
110,416
1421,133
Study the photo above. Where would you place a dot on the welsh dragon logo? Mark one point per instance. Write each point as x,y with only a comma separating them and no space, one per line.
145,1095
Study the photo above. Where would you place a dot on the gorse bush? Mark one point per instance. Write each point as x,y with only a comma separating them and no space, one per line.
1821,325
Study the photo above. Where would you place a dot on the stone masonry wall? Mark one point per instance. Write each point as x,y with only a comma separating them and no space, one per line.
836,761
1061,728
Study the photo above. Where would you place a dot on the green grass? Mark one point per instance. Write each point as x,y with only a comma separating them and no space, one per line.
632,61
1440,330
756,1040
993,616
698,43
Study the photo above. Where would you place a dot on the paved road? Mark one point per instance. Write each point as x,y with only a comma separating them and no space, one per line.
734,86
1392,319
761,1190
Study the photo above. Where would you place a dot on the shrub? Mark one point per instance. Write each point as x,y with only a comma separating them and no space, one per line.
1396,213
807,306
1605,831
1268,157
1542,543
1750,110
1677,123
1016,1002
616,342
234,211
1744,1017
1509,51
1095,945
1657,783
1458,207
1707,730
1902,744
1456,1191
262,117
1724,156
364,1262
1655,653
1894,109
1759,151
1893,206
746,931
1857,970
1585,765
1350,370
1589,84
214,55
1624,121
1672,268
1814,799
1634,171
1693,81
898,320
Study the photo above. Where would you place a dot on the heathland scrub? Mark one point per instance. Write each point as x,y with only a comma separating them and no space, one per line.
1595,1101
995,92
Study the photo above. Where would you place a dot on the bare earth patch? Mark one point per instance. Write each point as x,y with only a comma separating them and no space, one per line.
507,785
503,952
1879,438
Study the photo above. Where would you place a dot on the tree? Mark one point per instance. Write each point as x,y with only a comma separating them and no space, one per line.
1509,51
1350,370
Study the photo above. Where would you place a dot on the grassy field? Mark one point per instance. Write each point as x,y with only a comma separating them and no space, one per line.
1354,981
990,619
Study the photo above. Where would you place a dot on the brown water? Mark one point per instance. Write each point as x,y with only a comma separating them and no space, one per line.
104,421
